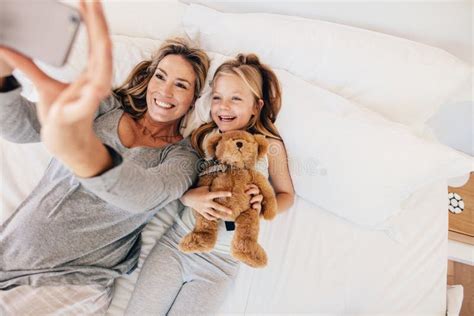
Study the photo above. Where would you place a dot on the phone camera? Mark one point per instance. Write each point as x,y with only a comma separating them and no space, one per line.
74,19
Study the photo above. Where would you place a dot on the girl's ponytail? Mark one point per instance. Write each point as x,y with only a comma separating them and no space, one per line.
270,94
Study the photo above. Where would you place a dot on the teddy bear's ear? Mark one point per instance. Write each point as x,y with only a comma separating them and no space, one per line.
262,145
211,145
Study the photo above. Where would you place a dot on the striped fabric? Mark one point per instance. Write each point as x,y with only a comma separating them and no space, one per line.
56,300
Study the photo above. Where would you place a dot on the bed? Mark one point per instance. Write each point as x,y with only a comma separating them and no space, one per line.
324,256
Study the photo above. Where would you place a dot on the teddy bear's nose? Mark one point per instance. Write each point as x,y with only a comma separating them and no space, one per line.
239,144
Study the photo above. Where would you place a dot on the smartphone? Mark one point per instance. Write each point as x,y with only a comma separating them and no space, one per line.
40,29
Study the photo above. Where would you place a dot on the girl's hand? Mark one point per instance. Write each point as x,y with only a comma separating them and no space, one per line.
202,201
66,112
255,197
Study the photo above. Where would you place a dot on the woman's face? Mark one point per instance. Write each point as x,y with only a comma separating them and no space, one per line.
170,91
233,103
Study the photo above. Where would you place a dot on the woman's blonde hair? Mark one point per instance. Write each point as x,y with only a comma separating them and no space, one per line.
263,83
132,93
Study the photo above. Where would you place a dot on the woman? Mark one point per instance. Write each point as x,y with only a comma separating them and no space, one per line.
116,163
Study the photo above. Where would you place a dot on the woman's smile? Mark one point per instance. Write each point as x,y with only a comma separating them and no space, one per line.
170,91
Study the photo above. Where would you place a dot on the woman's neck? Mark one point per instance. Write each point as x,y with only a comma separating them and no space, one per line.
158,129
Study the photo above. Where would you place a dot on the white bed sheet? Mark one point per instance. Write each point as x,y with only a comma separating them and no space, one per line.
320,263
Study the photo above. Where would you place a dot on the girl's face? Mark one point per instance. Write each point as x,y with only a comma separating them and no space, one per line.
170,91
233,103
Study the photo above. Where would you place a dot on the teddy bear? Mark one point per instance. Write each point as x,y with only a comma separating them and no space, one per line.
236,153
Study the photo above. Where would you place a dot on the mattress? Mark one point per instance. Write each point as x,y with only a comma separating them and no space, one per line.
318,263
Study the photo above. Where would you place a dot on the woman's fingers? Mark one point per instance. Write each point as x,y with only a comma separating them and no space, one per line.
79,101
25,64
100,46
73,91
76,109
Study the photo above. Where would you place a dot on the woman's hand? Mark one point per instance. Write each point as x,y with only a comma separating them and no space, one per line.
202,201
66,112
5,69
255,197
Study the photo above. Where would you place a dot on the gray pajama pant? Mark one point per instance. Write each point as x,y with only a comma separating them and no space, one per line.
175,283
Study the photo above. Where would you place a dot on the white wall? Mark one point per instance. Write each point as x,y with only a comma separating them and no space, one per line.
445,24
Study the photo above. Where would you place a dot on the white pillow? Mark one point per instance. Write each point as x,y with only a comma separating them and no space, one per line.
403,80
353,162
365,168
150,19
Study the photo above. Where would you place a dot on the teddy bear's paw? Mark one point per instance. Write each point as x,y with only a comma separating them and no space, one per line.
269,214
250,253
197,242
269,210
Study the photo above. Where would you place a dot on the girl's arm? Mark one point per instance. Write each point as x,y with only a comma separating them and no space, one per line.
280,175
280,179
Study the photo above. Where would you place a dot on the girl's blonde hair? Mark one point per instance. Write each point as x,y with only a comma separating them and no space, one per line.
132,93
263,83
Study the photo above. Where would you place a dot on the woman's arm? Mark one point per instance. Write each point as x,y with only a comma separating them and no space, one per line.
136,189
280,175
18,118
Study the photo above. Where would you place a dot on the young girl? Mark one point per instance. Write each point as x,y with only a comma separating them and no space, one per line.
245,96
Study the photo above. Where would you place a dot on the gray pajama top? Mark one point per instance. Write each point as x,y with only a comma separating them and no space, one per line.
73,230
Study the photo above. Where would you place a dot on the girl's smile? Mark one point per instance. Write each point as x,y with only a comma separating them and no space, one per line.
233,103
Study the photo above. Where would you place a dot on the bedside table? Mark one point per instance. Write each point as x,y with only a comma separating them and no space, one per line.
461,212
461,241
